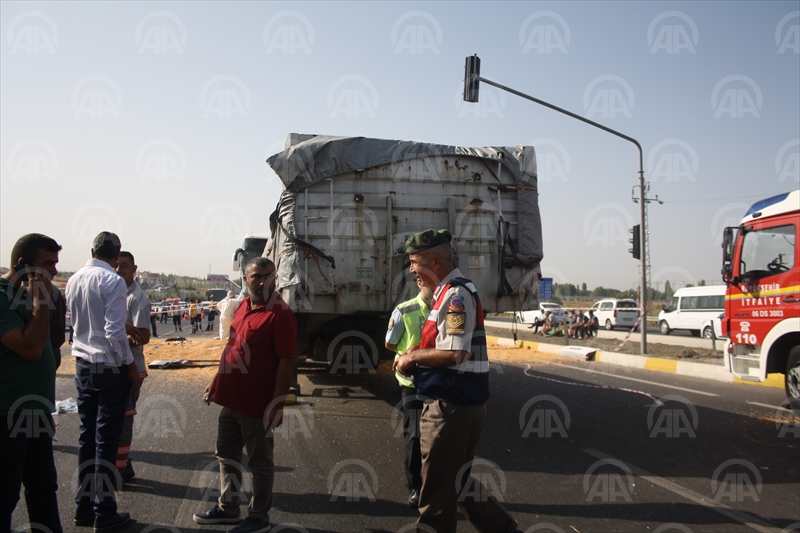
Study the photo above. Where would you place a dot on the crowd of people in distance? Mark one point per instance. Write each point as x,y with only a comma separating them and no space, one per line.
576,325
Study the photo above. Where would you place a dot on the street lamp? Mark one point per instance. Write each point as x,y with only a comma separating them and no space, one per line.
472,79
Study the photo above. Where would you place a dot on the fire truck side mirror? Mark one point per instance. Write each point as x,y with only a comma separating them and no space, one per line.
727,254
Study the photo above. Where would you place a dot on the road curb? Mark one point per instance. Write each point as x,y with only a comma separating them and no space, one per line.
657,364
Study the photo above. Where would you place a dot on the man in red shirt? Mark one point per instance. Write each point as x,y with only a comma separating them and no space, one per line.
254,375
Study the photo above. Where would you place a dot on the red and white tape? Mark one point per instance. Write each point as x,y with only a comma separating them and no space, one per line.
656,401
628,336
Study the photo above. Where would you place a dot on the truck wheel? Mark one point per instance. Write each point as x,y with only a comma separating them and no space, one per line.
708,333
609,325
664,327
792,379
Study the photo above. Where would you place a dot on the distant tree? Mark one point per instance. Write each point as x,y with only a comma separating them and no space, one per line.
667,290
702,283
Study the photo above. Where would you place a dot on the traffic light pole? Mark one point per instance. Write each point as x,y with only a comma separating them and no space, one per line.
642,233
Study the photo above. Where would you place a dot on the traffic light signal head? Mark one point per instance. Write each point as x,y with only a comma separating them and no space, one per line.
472,70
636,241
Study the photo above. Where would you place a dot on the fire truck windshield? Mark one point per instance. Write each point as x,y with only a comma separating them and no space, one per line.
766,252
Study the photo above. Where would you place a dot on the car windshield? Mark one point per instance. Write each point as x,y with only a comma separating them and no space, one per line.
626,303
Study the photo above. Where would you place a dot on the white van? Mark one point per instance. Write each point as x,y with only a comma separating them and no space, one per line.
690,307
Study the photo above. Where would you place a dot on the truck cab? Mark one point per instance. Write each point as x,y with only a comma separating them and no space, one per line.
762,302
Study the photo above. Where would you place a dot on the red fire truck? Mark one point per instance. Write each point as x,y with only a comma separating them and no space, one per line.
762,305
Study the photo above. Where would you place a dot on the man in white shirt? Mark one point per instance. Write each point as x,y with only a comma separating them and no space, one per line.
105,375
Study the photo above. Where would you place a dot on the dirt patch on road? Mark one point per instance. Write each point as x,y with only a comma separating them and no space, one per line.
665,351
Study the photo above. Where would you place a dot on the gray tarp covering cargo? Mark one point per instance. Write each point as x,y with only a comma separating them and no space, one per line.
309,160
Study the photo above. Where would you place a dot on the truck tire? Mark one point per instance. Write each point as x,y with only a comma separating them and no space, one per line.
792,379
664,327
609,325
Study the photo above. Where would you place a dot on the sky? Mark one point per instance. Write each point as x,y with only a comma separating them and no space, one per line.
154,119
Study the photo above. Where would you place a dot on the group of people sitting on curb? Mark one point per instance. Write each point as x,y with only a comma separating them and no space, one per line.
575,326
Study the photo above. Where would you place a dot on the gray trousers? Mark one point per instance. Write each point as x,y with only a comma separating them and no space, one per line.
449,435
237,431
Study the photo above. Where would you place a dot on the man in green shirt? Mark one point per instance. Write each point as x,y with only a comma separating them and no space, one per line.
27,384
405,330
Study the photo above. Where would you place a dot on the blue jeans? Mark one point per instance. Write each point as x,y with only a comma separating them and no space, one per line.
102,399
27,458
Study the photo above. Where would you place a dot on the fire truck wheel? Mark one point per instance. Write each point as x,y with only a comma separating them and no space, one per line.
792,379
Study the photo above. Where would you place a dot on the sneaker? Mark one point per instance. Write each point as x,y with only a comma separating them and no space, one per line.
413,499
215,515
112,522
251,525
84,518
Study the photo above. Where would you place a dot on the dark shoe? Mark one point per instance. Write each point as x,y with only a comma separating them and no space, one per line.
413,499
84,518
112,522
251,525
215,515
127,473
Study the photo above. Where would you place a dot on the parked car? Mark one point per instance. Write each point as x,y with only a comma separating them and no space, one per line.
612,313
558,313
712,328
691,307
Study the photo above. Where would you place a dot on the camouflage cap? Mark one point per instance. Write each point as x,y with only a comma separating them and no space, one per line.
427,239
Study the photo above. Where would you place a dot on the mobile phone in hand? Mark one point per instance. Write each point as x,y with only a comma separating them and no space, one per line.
24,267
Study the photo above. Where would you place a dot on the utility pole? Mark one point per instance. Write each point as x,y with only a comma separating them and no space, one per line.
472,79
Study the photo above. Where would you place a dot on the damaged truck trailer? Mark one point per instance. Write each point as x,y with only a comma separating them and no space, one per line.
338,234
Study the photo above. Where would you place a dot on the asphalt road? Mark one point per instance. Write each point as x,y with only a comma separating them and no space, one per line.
563,457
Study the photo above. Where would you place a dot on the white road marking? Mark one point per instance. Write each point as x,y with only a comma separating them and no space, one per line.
768,406
744,518
637,380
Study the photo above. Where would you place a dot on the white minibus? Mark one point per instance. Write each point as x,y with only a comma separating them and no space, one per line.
690,307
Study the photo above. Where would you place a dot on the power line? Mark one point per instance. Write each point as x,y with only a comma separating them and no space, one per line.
713,199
